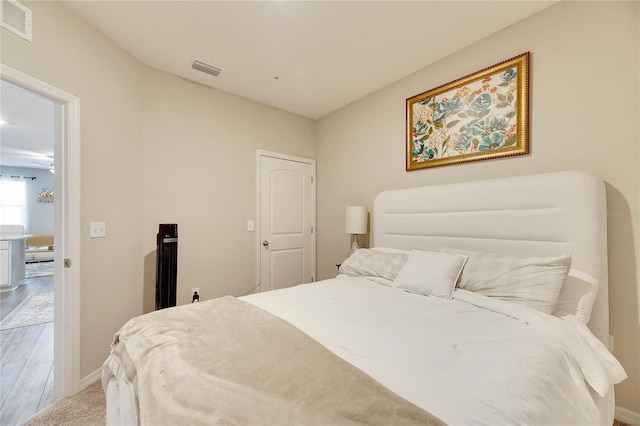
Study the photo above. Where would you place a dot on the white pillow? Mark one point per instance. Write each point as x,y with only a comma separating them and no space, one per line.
370,263
577,296
390,250
533,281
430,273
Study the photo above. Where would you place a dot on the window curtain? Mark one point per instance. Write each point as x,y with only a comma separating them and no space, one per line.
13,209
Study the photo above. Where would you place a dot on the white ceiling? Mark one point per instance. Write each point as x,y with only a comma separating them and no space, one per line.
26,137
326,54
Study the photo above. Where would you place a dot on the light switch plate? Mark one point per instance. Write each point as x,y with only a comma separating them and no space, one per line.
97,230
250,225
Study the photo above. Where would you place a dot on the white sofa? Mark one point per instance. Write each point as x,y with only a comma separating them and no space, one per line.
39,248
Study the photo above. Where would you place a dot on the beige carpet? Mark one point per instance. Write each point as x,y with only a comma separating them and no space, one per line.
86,408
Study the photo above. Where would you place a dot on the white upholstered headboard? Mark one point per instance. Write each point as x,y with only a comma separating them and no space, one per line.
535,215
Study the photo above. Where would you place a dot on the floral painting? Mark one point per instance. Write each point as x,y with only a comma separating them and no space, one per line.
480,116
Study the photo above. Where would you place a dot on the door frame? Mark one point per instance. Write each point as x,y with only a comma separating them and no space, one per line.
258,244
66,229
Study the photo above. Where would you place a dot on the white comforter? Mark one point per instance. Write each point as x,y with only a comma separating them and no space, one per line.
470,360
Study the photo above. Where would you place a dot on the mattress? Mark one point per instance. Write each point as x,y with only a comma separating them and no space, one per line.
470,359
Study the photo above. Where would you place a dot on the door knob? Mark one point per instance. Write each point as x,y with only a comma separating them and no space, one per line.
265,243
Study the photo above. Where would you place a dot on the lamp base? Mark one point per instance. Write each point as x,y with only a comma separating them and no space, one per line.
354,245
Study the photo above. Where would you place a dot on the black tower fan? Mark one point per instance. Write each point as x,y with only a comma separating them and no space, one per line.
166,265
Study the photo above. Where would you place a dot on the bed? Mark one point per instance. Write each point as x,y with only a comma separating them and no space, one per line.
482,302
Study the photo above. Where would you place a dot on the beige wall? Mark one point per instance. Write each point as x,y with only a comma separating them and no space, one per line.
584,115
74,57
155,149
199,172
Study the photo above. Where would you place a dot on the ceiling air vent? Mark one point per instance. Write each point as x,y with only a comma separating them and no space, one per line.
205,67
16,18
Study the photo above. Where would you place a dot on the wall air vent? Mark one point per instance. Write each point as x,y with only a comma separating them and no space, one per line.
16,18
205,67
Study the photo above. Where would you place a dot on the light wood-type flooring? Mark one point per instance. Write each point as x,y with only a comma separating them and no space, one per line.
26,359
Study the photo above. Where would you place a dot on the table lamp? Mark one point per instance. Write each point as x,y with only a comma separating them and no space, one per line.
355,223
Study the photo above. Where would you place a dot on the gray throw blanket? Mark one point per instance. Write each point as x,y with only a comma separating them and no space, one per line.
225,361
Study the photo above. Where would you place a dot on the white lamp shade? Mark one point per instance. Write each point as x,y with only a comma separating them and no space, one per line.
356,220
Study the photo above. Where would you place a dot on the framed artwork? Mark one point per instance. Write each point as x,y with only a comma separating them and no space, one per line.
478,117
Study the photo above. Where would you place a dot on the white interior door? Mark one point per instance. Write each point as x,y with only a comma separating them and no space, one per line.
287,220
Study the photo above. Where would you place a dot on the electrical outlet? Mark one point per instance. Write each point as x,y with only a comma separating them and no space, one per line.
195,295
610,343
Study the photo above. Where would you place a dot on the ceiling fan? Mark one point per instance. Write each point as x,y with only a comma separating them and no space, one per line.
48,164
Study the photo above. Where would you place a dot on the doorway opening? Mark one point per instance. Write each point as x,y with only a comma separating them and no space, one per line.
58,340
27,268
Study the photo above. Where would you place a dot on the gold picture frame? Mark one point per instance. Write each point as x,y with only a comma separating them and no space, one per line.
481,116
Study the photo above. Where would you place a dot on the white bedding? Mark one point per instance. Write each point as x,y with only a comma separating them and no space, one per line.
468,360
436,353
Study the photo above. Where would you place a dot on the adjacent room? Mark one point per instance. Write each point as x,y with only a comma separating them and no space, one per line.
332,87
27,233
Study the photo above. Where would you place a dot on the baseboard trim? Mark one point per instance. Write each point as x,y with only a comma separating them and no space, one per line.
627,416
92,377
